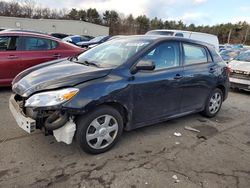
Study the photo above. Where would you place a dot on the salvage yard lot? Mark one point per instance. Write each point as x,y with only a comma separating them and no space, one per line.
146,157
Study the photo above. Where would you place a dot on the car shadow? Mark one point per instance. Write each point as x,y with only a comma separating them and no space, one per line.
167,127
5,89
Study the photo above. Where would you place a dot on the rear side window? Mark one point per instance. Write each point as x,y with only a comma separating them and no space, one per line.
194,54
54,44
8,43
35,43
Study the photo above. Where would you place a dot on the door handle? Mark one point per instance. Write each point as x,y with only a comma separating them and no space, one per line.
177,77
56,55
211,70
12,57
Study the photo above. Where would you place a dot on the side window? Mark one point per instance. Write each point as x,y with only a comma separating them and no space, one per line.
34,43
194,54
8,43
165,55
54,44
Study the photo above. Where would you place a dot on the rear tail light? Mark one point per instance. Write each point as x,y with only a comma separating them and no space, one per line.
229,69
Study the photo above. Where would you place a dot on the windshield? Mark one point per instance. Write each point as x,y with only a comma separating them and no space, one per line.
244,57
113,53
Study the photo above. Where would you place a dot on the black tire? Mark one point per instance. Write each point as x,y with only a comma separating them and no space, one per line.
83,125
207,112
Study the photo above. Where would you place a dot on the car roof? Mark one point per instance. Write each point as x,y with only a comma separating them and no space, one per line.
25,30
18,33
164,38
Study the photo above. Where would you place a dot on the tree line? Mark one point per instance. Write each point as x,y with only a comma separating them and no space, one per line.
123,25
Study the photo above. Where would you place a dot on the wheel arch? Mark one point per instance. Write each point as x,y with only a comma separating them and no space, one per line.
223,89
121,109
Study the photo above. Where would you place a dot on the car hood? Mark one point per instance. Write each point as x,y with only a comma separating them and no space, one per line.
55,74
240,65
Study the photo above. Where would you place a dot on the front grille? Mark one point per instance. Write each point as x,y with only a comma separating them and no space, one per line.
240,76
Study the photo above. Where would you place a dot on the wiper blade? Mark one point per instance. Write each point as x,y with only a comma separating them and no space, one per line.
73,58
87,63
91,63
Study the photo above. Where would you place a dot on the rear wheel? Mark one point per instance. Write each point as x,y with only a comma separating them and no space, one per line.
99,130
213,103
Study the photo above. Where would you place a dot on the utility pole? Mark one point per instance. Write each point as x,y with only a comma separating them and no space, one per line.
246,35
229,36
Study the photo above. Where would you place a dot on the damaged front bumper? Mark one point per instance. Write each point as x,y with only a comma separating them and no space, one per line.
26,123
60,125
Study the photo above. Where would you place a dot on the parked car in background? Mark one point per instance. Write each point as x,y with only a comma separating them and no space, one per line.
21,50
237,46
93,42
2,29
25,30
225,47
98,94
74,39
229,55
203,37
117,37
59,35
247,47
240,71
88,36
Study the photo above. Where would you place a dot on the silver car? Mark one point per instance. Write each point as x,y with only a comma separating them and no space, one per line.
240,75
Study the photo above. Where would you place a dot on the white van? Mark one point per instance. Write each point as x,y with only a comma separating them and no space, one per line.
204,37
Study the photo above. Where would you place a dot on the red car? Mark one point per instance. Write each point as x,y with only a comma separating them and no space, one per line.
21,50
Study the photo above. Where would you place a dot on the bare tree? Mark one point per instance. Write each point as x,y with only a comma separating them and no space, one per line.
46,13
15,9
28,8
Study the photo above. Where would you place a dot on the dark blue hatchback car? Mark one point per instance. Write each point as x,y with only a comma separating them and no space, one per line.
121,84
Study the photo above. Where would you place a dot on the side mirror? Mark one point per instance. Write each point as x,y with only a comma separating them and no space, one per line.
143,65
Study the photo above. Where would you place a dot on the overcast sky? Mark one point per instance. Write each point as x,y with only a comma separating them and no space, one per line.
203,12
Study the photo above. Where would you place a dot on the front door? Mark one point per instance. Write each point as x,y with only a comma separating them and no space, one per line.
157,93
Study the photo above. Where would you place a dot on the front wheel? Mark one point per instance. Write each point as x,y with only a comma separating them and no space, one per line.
213,103
99,130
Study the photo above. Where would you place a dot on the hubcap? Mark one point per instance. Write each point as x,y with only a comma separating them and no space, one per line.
102,131
214,103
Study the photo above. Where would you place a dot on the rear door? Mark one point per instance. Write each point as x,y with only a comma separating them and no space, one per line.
10,59
199,76
157,94
37,50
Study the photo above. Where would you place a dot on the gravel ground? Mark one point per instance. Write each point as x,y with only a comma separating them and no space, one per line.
146,157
